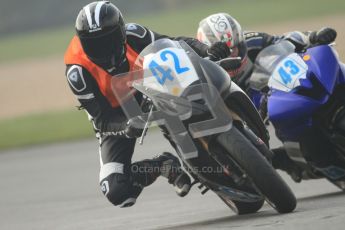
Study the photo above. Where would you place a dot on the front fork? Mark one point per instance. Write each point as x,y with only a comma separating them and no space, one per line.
255,140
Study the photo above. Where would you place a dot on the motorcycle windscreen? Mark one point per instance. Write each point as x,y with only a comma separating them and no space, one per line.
266,62
164,66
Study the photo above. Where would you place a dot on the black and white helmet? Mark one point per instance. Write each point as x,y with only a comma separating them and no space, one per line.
101,30
222,27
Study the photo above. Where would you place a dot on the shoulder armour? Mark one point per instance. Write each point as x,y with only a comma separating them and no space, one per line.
250,34
297,38
135,30
76,79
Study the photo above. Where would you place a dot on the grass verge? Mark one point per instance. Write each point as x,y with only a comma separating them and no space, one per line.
176,22
44,128
71,125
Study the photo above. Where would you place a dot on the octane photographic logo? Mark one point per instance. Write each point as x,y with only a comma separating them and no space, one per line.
136,168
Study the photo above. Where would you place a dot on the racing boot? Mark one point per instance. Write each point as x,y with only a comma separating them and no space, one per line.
282,161
171,169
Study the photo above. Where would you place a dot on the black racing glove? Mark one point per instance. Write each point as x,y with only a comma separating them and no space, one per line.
324,36
218,51
134,127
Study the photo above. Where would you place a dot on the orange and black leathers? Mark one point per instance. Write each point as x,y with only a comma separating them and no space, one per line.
91,83
110,121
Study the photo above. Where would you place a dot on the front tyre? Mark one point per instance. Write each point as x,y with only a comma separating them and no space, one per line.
340,184
242,208
258,169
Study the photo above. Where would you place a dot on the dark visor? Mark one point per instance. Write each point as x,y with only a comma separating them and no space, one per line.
104,46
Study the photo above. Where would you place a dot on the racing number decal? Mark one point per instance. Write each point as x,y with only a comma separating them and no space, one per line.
288,73
293,67
290,69
178,69
166,73
154,67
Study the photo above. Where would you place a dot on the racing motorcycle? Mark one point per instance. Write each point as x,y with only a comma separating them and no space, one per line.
214,127
305,96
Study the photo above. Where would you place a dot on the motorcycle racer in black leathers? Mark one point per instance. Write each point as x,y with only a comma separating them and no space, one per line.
103,47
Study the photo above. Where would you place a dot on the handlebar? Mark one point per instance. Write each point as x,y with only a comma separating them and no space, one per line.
229,63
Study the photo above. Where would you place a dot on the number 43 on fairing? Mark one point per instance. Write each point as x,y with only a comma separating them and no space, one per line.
286,75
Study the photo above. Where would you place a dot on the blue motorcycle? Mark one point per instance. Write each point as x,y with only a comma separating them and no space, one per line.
304,97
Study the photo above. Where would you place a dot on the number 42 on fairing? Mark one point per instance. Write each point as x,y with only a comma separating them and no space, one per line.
169,67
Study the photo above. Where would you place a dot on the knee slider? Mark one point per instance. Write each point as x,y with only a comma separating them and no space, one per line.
119,190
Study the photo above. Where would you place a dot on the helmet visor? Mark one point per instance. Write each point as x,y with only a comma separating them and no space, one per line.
105,46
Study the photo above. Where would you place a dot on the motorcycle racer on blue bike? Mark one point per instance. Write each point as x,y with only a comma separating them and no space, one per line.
247,45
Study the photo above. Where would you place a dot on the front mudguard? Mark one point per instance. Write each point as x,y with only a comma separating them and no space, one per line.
237,101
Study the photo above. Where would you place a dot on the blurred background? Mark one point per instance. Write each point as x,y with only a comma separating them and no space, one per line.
36,103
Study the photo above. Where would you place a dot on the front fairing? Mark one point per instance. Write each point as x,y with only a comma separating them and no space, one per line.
273,68
173,76
342,73
174,65
169,67
323,63
299,84
280,68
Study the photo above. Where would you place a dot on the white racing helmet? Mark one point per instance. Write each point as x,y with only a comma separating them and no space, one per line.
222,27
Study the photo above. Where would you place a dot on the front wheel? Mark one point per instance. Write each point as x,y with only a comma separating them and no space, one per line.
242,208
340,184
258,169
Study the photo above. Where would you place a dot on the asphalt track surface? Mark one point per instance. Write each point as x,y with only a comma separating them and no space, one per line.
56,187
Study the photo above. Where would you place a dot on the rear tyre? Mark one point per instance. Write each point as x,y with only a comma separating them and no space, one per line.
258,169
